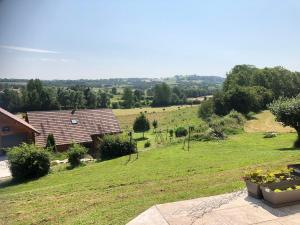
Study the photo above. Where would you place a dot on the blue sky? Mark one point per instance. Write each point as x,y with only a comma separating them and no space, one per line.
93,39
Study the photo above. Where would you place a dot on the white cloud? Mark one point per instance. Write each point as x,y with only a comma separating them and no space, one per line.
25,49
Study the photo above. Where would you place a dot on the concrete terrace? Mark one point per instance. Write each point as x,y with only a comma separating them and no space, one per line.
228,209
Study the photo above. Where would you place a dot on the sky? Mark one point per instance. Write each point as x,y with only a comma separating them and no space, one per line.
96,39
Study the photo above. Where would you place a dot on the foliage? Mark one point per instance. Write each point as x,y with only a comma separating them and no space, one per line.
127,97
248,88
104,100
206,109
155,124
51,145
260,176
171,133
181,132
287,111
115,105
147,144
28,161
162,95
113,146
141,124
75,153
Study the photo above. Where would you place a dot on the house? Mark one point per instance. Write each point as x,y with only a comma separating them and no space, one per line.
14,130
72,126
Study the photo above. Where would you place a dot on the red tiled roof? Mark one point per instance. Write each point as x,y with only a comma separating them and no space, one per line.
58,123
18,120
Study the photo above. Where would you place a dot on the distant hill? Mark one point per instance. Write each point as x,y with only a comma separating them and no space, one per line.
143,83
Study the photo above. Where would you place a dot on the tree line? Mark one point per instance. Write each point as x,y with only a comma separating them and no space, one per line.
250,89
37,96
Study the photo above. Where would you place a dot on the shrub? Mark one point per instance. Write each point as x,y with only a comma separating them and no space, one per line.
205,110
115,105
51,145
154,124
240,119
28,161
113,146
75,153
181,132
171,133
208,135
147,144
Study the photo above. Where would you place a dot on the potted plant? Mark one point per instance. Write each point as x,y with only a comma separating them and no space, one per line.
255,179
282,193
296,169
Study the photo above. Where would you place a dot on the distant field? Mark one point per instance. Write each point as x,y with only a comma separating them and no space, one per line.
265,122
171,117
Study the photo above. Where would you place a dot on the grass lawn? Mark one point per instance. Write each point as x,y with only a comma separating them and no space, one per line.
115,191
265,122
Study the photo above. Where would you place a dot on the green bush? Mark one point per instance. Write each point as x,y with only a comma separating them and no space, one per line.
147,144
28,161
206,109
240,119
51,145
115,105
208,135
113,146
75,153
181,132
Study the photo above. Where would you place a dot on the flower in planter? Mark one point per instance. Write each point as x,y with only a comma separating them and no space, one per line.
277,190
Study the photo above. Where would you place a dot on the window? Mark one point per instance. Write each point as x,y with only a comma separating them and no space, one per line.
74,121
5,129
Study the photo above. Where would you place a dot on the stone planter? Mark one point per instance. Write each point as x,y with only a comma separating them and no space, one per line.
296,168
280,199
254,189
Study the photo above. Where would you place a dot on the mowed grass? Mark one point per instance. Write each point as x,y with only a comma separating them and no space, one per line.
265,122
113,192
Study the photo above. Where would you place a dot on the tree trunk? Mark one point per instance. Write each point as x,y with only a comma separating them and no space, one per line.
297,142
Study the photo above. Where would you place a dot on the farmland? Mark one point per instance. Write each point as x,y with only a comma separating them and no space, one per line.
115,191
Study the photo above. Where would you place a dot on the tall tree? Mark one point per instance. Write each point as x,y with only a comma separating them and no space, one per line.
128,100
162,95
104,100
287,111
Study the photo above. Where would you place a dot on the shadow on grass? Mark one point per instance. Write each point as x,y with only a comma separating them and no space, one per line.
141,139
9,181
288,149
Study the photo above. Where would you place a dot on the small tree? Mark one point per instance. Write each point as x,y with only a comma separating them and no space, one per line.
51,145
141,124
287,111
154,124
206,110
75,153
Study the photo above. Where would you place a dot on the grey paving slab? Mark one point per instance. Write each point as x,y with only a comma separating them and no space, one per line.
228,209
4,168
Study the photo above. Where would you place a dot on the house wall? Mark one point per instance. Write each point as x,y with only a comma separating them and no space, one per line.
12,133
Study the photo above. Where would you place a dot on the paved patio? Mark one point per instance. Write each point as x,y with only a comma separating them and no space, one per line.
228,209
4,169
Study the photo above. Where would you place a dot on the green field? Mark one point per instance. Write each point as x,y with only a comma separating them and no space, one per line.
115,191
167,117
